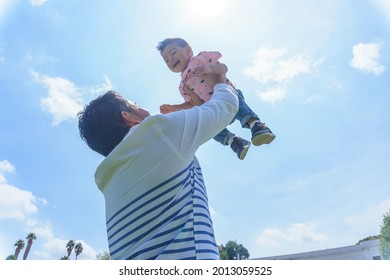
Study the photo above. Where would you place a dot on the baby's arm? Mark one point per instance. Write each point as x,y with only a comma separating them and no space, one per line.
169,108
195,101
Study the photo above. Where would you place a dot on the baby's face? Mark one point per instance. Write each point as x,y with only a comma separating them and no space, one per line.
176,57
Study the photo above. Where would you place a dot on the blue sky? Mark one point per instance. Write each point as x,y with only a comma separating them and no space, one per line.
317,72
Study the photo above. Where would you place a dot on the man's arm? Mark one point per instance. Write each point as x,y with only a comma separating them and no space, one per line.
188,129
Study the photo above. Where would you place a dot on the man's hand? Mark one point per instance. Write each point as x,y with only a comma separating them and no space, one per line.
213,79
202,70
212,73
195,100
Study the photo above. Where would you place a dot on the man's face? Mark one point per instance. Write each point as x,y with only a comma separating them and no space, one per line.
136,113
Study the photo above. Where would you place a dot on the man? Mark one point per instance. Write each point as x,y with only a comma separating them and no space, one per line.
155,196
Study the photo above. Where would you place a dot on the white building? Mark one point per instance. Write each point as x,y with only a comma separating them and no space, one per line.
367,250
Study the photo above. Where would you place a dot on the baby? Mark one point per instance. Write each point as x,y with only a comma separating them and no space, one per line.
195,90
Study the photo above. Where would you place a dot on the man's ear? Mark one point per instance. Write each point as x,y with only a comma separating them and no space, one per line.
129,119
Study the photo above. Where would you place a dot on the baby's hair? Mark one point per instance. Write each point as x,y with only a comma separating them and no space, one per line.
169,41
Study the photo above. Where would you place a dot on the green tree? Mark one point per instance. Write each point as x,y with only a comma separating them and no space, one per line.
30,238
64,258
222,252
11,258
384,240
104,256
19,246
233,251
78,249
371,237
69,247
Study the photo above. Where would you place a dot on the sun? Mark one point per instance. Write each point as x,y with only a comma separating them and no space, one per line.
207,8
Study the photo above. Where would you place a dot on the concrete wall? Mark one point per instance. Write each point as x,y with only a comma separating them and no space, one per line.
367,250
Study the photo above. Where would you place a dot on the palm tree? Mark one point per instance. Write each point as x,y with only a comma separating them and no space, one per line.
19,246
30,237
70,246
78,249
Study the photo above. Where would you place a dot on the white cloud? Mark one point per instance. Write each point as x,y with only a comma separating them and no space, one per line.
4,246
64,98
297,233
272,65
19,205
275,65
6,166
4,5
14,202
366,56
98,89
371,218
36,3
57,248
273,95
88,252
384,7
54,247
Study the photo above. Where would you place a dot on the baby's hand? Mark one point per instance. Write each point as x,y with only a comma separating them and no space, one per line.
166,108
202,70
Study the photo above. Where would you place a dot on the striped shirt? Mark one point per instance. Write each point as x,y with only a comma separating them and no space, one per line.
155,196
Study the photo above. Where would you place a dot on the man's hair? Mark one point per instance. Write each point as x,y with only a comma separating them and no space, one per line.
101,124
171,41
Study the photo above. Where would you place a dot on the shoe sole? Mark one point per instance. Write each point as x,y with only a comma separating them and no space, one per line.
264,138
243,152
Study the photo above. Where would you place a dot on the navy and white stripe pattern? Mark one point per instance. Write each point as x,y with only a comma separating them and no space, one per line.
169,221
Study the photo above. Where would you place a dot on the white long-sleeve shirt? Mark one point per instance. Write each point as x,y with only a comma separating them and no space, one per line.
155,196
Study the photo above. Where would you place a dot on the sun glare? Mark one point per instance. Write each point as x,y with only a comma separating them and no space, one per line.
3,6
207,8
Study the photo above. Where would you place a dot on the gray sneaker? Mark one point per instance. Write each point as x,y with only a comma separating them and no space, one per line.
240,146
261,134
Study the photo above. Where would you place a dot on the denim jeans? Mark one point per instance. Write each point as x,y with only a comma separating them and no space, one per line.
244,114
